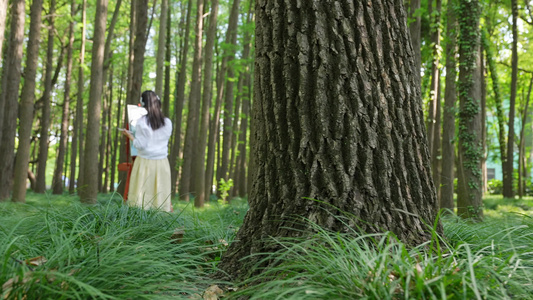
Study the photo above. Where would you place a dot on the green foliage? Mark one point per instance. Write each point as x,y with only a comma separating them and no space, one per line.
495,187
224,187
467,265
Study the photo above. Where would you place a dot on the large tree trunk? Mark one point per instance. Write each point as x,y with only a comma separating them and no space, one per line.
45,117
57,181
448,122
179,103
199,159
27,99
89,191
366,156
191,134
77,136
9,97
469,196
231,38
508,180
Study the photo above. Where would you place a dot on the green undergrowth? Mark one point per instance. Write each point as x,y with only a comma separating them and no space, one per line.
53,247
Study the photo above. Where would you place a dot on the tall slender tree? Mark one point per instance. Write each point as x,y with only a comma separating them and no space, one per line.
448,122
191,134
77,136
508,180
199,159
227,56
57,180
161,45
469,202
27,99
90,190
9,97
179,103
45,116
3,16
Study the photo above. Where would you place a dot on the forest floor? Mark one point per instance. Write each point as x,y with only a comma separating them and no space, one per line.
53,247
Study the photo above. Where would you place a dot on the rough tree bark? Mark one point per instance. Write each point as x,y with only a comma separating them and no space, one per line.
522,169
337,117
469,196
89,191
9,97
27,99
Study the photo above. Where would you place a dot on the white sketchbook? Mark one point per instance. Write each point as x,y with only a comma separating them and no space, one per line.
134,114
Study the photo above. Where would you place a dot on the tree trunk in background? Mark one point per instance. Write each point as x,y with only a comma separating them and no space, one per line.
508,181
434,133
122,158
3,17
497,101
45,117
179,102
77,137
57,181
414,28
191,134
241,178
469,196
161,42
234,127
88,194
27,99
365,95
448,119
120,122
199,159
482,74
103,136
168,54
522,170
231,39
240,167
108,163
9,96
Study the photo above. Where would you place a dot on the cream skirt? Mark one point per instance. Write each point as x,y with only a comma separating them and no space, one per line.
150,184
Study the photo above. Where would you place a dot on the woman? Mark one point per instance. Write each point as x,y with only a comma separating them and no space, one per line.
150,177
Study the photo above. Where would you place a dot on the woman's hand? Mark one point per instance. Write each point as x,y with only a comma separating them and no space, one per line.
128,134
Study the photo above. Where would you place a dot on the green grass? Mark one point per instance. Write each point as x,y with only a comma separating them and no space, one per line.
52,247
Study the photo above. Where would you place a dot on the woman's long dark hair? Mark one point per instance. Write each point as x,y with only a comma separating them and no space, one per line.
152,103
